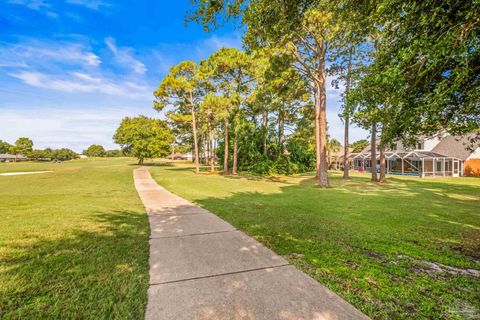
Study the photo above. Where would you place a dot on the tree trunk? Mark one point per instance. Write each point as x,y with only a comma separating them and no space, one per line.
373,152
210,148
281,130
225,156
264,127
382,164
140,161
317,129
195,141
346,164
215,139
235,147
323,176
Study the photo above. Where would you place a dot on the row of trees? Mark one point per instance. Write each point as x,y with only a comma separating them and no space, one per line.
96,150
408,68
236,107
48,154
24,146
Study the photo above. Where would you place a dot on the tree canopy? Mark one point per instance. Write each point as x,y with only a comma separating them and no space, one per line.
4,146
410,68
95,150
144,137
23,146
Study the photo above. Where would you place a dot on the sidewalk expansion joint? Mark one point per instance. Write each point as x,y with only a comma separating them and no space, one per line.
193,234
219,275
169,214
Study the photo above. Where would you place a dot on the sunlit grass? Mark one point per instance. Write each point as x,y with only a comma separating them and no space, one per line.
73,242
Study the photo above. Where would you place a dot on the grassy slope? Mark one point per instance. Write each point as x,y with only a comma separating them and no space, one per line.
73,243
358,238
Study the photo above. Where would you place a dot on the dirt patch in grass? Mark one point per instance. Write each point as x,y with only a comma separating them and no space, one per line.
436,268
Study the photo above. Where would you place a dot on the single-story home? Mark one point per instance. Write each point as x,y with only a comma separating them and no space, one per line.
5,157
182,156
438,156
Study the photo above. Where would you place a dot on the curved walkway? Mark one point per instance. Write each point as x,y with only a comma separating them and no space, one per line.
201,267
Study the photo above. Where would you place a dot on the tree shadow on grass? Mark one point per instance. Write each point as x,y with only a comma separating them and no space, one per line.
361,231
90,274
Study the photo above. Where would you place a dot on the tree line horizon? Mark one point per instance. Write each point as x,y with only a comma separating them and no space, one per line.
408,68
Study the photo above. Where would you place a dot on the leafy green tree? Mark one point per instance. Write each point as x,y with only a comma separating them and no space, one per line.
4,146
333,146
63,154
432,51
95,150
303,29
359,145
348,57
23,146
114,153
367,117
230,72
144,137
281,91
37,155
213,109
181,89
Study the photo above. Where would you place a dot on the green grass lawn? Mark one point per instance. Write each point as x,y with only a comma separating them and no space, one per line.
73,243
369,243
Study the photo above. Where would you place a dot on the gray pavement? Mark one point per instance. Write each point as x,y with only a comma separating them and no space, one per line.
201,267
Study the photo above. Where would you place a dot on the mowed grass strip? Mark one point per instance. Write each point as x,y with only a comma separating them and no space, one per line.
372,244
73,243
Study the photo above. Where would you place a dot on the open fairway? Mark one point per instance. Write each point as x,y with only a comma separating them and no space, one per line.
73,242
408,249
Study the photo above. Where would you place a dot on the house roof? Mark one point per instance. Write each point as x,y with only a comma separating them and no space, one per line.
457,146
11,156
403,155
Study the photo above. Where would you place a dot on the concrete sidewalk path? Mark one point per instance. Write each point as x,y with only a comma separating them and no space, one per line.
201,267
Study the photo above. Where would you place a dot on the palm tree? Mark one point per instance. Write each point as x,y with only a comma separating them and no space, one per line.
333,146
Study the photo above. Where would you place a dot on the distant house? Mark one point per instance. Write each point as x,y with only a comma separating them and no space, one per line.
187,156
335,159
460,147
5,157
82,156
182,156
441,155
177,156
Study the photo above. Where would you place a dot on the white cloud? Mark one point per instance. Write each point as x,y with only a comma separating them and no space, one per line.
124,56
42,53
32,4
80,82
37,5
91,4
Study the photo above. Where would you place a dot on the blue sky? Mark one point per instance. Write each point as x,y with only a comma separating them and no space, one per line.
70,70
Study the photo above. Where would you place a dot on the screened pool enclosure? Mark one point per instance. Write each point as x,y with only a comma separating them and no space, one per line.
413,163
